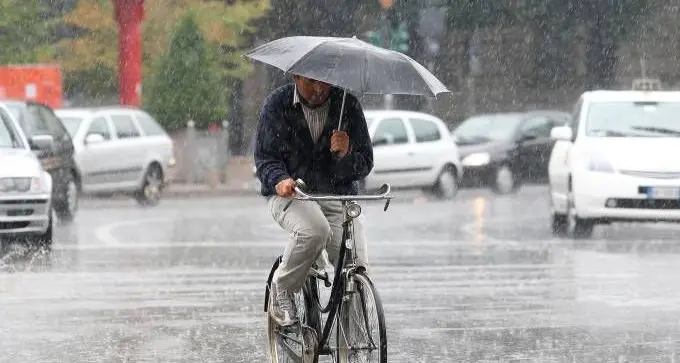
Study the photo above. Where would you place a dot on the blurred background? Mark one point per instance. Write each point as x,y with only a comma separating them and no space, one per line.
496,56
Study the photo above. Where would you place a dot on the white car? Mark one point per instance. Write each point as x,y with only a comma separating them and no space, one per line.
413,150
25,187
120,150
616,161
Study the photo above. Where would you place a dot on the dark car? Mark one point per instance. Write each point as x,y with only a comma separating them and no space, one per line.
502,150
52,144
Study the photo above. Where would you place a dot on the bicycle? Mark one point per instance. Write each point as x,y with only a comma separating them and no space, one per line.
349,281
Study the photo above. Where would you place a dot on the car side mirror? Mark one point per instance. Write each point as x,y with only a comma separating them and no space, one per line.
41,142
94,139
561,133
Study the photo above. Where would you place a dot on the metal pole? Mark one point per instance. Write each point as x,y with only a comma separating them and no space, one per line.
385,32
227,154
190,155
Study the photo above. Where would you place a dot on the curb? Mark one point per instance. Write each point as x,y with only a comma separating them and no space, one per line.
171,193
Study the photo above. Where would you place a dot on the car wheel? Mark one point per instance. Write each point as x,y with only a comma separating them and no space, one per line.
578,228
67,208
504,180
150,193
559,222
446,186
559,225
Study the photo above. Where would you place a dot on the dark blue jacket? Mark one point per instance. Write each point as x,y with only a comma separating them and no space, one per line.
284,146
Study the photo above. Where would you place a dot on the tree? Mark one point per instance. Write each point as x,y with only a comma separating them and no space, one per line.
24,30
183,86
312,17
95,47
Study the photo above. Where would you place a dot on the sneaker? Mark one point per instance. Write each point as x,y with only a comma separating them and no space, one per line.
283,309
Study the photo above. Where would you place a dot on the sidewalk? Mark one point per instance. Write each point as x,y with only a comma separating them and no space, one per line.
182,190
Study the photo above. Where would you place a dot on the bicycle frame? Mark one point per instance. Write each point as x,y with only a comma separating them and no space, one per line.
344,270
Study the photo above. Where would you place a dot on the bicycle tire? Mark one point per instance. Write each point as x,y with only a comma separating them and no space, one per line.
368,295
309,317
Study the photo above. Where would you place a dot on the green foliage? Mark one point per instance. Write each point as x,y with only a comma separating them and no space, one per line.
399,37
183,86
96,45
470,14
24,30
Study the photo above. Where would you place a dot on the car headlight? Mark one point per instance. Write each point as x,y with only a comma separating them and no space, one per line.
25,185
600,164
172,162
476,159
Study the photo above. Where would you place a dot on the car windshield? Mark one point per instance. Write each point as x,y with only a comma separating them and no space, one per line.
8,136
72,123
479,129
633,119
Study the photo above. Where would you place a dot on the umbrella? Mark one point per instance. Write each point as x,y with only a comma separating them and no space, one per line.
349,63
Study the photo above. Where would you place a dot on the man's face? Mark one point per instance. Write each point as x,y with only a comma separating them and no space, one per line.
314,92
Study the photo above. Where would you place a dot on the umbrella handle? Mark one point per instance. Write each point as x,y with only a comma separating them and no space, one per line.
342,110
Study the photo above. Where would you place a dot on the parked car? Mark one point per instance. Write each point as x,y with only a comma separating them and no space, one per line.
120,150
413,150
25,187
54,148
616,161
502,150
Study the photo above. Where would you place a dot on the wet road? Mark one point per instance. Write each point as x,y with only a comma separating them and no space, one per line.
480,279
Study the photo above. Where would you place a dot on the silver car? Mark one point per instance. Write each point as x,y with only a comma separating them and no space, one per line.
120,150
25,187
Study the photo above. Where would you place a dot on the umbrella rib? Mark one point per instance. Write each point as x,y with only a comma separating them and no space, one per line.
307,55
422,76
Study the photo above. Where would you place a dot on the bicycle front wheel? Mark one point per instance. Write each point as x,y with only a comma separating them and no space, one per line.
361,330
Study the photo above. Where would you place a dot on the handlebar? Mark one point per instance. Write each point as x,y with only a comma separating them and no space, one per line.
383,193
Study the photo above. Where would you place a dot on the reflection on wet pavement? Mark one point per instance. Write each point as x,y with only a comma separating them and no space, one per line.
477,280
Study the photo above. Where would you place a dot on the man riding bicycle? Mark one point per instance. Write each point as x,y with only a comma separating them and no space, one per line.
296,139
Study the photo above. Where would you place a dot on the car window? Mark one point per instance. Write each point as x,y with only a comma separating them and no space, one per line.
539,126
37,125
149,125
486,128
72,123
633,119
56,127
391,131
125,126
8,135
425,130
101,127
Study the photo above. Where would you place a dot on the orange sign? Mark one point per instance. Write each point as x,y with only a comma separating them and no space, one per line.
36,82
386,4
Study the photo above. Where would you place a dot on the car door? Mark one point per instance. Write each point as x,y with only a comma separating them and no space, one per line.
534,146
390,153
559,169
98,159
58,160
129,153
426,151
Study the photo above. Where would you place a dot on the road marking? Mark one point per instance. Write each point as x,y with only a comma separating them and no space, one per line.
104,233
258,244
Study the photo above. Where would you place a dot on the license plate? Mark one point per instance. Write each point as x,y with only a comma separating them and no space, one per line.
664,193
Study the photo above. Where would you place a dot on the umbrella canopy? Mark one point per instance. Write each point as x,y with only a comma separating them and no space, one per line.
349,63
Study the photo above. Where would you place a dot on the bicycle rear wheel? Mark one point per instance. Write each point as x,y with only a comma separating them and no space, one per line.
299,342
361,330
